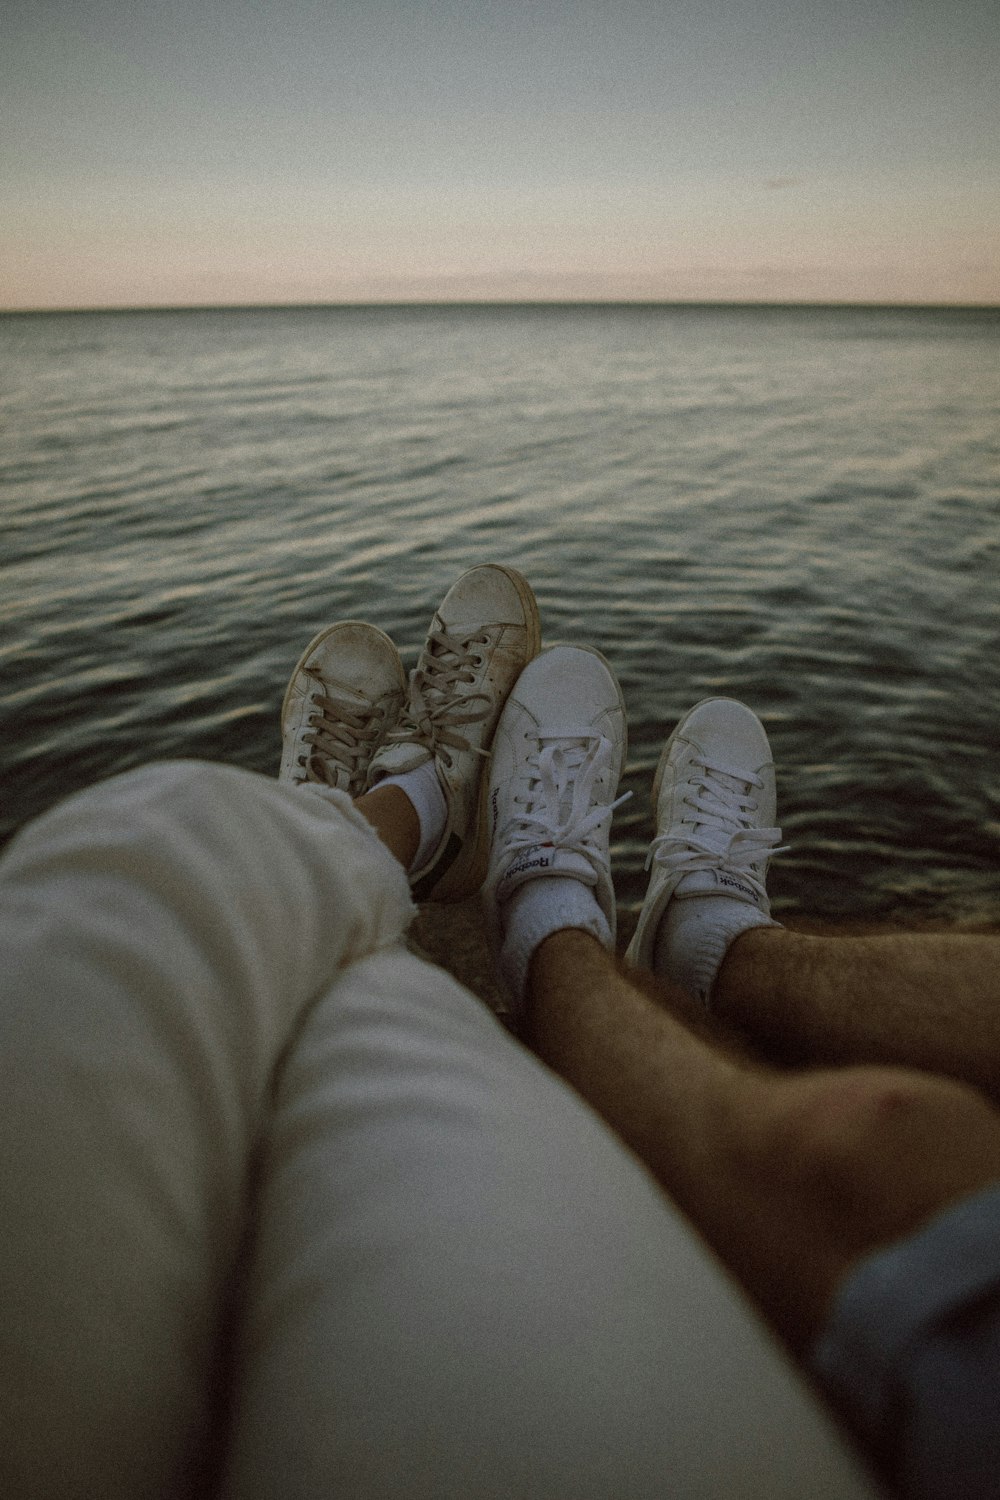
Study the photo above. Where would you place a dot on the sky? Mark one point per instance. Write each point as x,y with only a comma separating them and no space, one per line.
192,152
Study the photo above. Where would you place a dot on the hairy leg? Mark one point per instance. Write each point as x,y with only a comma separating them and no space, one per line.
790,1178
929,1001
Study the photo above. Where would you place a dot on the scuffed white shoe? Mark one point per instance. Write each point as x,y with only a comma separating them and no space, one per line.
344,695
714,805
485,632
557,760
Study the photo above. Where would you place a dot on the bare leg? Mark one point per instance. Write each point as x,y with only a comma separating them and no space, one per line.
390,812
929,1001
791,1178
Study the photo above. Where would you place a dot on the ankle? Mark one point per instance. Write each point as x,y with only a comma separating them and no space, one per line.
695,936
422,789
749,973
541,909
393,817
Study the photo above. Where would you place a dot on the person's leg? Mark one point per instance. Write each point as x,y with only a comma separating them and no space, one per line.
463,1284
349,720
163,937
485,630
924,1001
920,1000
499,1289
792,1178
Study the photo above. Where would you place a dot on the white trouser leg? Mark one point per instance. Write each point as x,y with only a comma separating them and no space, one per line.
463,1286
459,1283
161,937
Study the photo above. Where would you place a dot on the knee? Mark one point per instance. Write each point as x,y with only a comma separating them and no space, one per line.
828,1114
148,809
160,781
142,786
855,1138
132,796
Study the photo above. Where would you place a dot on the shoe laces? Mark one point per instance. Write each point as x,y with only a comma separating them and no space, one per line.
439,705
344,729
719,833
556,800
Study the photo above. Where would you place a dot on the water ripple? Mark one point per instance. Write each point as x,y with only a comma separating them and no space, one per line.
796,507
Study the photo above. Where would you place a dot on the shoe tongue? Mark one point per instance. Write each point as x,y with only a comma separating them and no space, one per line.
563,739
716,883
340,776
394,760
544,859
569,752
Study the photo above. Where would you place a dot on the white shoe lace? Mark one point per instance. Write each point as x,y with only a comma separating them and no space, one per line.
437,708
557,796
344,730
720,835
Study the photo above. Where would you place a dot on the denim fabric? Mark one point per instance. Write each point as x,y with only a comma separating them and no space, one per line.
912,1354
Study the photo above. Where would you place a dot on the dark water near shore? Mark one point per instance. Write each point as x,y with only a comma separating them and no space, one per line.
799,507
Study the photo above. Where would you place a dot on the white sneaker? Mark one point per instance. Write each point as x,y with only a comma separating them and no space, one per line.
345,693
714,804
484,633
557,759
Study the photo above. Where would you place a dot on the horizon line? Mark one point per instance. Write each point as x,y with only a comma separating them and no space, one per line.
498,302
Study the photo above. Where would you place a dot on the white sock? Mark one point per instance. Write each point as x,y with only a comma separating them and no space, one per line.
424,791
694,935
538,908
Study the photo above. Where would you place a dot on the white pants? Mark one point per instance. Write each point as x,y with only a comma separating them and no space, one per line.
286,1212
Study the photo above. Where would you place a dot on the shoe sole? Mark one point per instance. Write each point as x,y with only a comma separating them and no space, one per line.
465,875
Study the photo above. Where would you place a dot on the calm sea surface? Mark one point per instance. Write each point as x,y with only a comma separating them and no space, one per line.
798,507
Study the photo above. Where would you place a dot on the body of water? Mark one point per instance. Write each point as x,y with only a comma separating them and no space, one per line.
799,507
